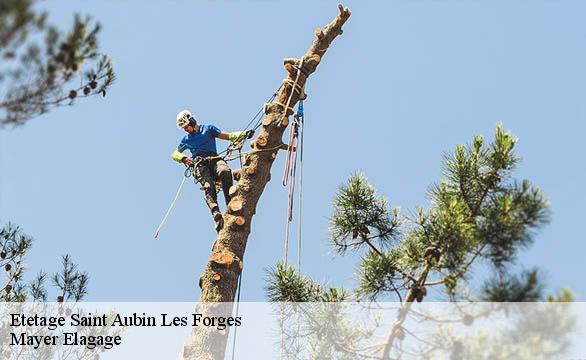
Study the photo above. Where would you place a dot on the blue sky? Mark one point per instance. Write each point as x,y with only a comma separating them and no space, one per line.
404,84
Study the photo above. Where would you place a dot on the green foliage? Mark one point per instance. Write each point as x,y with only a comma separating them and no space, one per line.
478,212
360,217
70,283
378,273
509,215
37,290
449,227
513,288
42,67
285,284
565,295
13,247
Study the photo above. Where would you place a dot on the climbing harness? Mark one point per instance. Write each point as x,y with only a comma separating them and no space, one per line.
191,170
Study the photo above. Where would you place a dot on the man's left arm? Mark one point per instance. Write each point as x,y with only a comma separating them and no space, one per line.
236,135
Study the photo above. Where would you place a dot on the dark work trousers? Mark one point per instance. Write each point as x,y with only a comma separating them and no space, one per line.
208,171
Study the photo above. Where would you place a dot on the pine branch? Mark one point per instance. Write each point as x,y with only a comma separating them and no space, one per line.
50,68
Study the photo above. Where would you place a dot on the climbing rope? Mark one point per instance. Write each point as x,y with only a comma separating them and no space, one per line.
237,309
170,208
301,117
291,161
289,179
254,123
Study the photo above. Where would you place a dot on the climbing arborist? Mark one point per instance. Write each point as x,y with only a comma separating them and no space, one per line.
209,167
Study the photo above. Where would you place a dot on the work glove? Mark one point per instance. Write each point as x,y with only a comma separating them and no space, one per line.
187,161
240,135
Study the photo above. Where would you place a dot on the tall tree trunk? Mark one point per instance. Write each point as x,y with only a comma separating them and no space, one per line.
220,278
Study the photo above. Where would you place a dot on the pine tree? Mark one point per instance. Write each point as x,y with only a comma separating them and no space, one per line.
43,68
70,283
68,287
479,213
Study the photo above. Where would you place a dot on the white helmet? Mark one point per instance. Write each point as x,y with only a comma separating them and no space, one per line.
184,118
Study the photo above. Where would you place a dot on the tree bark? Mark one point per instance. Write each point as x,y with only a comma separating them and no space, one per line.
219,280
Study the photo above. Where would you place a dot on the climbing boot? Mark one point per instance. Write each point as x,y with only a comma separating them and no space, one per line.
219,221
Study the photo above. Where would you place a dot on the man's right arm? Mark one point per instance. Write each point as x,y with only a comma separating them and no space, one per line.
181,158
177,156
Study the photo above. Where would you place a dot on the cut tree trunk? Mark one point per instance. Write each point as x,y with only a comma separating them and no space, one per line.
219,280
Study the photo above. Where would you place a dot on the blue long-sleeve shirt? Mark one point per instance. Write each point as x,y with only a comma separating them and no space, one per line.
202,142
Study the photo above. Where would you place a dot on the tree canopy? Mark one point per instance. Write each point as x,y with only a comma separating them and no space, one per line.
480,214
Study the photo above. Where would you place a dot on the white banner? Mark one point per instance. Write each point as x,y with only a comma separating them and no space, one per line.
296,331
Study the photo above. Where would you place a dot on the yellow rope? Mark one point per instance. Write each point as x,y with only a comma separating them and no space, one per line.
283,105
